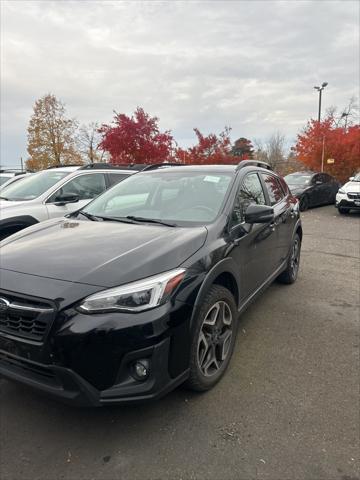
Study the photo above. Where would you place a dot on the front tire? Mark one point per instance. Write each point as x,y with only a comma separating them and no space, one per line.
213,339
289,275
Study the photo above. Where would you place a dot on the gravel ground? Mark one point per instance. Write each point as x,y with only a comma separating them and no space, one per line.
288,408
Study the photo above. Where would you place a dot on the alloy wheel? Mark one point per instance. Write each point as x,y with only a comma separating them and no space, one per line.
295,258
215,336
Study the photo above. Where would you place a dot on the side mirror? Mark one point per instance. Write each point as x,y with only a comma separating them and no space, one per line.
259,214
65,198
351,179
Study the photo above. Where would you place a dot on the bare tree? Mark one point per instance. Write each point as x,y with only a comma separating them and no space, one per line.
272,151
88,141
350,114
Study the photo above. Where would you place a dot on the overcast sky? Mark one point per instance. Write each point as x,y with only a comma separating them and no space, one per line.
251,65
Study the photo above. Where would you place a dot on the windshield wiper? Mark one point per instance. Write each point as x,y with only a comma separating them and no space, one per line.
89,216
151,220
4,198
116,219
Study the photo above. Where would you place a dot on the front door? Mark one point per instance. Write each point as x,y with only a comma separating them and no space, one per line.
254,244
85,186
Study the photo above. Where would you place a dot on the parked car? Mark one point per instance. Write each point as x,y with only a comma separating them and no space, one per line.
54,193
141,290
312,189
10,176
348,196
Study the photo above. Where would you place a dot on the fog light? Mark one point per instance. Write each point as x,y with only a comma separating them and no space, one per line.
141,369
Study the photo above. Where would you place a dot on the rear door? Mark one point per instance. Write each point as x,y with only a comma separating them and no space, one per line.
279,199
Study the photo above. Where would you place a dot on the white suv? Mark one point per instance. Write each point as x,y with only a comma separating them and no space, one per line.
348,196
53,193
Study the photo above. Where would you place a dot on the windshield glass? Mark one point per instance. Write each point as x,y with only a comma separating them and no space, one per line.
357,178
193,196
32,187
298,179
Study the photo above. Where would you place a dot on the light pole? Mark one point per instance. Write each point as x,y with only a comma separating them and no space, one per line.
320,89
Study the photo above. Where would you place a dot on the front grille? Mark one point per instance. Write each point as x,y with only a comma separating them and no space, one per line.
24,317
354,195
28,368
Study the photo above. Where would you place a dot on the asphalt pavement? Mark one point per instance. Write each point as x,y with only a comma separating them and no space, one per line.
287,409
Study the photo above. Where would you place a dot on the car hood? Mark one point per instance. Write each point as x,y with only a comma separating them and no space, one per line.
351,187
8,203
98,253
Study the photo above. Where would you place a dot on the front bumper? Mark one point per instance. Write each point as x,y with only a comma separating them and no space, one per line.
343,201
88,360
66,385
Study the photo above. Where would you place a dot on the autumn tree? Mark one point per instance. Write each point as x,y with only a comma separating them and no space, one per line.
88,141
243,149
51,135
210,149
327,140
136,139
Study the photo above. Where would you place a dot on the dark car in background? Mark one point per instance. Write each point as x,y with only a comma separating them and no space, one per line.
313,189
141,290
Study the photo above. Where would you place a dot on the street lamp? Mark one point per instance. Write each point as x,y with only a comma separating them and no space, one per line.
320,89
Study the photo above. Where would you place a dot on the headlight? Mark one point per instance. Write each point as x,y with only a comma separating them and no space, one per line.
136,296
342,191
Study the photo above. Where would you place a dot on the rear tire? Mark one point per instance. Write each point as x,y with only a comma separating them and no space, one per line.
289,275
343,210
213,339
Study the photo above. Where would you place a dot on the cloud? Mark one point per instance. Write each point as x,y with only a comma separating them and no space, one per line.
207,64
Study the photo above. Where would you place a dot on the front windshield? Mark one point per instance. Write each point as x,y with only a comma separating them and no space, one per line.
32,187
177,197
297,179
357,178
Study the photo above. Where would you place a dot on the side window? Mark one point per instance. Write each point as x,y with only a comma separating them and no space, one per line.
115,178
325,178
250,191
273,188
85,186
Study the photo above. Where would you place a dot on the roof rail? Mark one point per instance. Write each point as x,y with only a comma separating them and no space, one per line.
253,163
154,166
62,166
129,166
123,166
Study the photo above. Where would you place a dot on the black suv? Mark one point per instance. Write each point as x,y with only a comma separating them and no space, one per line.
141,290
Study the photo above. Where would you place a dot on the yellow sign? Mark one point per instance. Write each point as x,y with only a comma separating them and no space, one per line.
330,160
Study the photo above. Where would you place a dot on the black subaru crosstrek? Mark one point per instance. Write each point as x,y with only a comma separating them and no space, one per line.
141,290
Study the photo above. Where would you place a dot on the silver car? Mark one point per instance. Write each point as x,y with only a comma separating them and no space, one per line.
53,193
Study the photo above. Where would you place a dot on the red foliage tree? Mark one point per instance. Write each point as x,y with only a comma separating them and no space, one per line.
341,144
136,139
210,149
